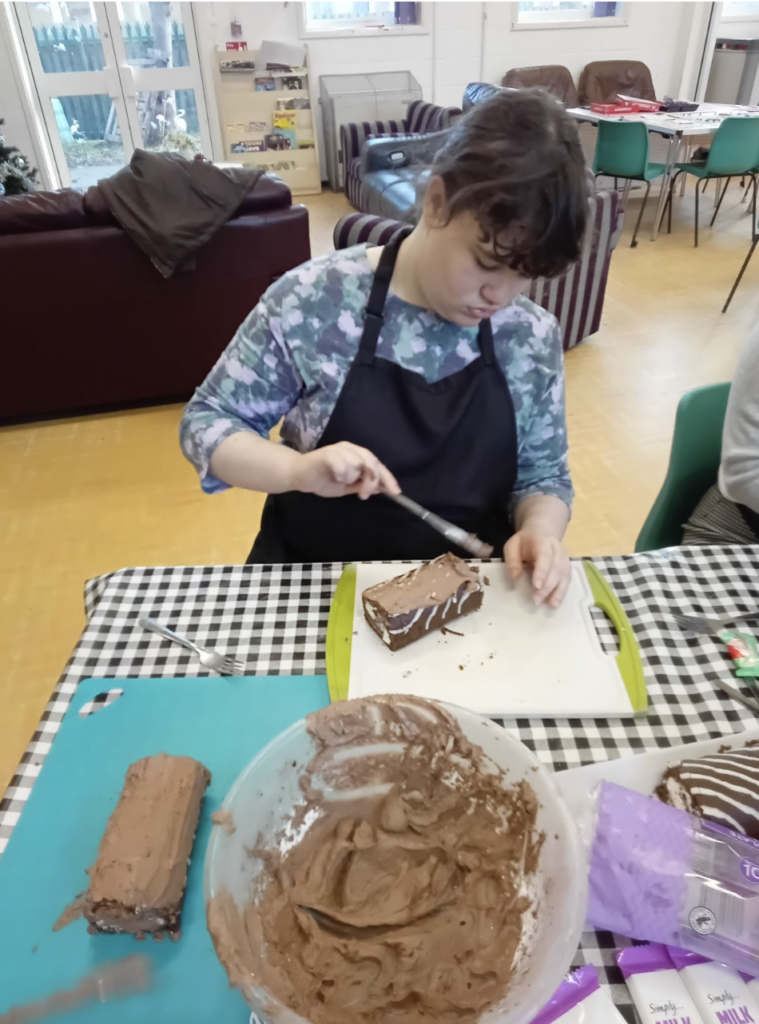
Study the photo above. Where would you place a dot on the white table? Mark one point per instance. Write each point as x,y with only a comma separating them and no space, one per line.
704,121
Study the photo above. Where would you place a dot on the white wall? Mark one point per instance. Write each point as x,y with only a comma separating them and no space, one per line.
656,33
461,49
464,47
748,29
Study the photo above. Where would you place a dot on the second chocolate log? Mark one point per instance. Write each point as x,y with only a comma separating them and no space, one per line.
408,607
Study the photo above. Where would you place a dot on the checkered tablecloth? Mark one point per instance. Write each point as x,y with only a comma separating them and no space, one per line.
275,618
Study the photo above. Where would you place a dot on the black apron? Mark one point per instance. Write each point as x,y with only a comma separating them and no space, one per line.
452,446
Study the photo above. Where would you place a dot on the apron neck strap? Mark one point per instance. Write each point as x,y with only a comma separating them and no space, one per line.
485,341
374,315
375,307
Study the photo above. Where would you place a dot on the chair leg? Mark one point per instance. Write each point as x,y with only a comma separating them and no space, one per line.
640,216
753,205
742,272
719,203
626,193
668,203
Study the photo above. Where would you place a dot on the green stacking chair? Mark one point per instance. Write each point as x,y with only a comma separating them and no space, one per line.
734,151
693,465
622,152
746,262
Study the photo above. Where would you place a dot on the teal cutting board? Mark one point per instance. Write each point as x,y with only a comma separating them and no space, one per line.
222,722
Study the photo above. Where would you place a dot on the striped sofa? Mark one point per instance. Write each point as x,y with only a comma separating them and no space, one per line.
422,118
576,298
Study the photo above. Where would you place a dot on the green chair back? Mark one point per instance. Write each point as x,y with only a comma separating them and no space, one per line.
621,149
693,465
735,147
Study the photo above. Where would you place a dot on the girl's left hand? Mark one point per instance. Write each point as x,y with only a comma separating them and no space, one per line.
545,556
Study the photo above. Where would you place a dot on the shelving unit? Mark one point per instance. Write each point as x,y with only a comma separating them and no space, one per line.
248,121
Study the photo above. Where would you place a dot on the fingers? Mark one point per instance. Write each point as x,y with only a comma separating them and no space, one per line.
359,471
512,556
558,595
556,582
544,573
551,568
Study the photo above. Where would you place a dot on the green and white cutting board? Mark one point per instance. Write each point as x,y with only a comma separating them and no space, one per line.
513,660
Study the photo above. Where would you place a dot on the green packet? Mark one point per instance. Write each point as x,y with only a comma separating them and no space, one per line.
744,650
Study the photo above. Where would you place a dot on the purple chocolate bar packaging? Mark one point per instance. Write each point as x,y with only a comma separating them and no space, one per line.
580,1000
660,874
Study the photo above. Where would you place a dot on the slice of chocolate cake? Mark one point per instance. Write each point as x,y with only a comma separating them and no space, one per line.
138,881
408,607
722,788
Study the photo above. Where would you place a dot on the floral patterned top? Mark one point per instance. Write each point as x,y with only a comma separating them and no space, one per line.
292,354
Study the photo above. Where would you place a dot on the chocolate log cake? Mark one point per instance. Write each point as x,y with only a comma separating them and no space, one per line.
138,881
723,788
407,607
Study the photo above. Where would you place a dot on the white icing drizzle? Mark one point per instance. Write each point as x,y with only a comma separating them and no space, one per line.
415,618
728,797
720,775
723,816
745,762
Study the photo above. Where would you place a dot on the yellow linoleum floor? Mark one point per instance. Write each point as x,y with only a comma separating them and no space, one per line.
84,496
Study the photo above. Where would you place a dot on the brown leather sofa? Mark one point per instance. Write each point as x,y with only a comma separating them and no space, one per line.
87,322
555,78
601,81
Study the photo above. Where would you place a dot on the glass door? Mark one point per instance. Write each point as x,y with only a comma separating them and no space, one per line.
157,57
111,77
74,71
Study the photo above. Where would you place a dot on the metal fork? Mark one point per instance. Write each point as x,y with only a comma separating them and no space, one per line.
225,665
701,625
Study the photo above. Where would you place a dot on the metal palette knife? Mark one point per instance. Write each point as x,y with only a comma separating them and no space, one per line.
468,541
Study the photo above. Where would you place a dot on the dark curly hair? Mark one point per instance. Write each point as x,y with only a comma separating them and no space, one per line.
515,161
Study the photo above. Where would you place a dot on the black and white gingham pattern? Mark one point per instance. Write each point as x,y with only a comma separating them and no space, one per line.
274,618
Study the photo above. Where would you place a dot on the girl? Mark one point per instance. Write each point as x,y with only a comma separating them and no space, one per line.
417,367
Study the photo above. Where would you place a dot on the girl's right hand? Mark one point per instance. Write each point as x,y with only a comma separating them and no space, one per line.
340,469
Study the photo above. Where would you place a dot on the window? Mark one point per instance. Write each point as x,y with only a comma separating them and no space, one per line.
536,13
370,17
739,11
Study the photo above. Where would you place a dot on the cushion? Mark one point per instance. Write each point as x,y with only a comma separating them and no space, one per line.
42,211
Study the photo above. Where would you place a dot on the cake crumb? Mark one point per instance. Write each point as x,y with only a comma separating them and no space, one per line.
224,820
486,581
461,667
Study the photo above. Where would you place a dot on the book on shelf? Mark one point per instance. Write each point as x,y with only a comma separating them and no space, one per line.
296,103
284,119
282,139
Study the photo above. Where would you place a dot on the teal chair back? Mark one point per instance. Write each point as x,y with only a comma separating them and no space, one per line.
621,149
693,465
735,148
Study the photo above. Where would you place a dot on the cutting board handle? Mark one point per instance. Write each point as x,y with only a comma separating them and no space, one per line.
628,659
340,635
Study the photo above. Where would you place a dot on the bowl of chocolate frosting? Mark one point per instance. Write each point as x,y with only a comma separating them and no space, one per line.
392,860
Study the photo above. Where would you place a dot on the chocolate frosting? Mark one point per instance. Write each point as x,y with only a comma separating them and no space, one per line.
404,907
138,880
431,584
